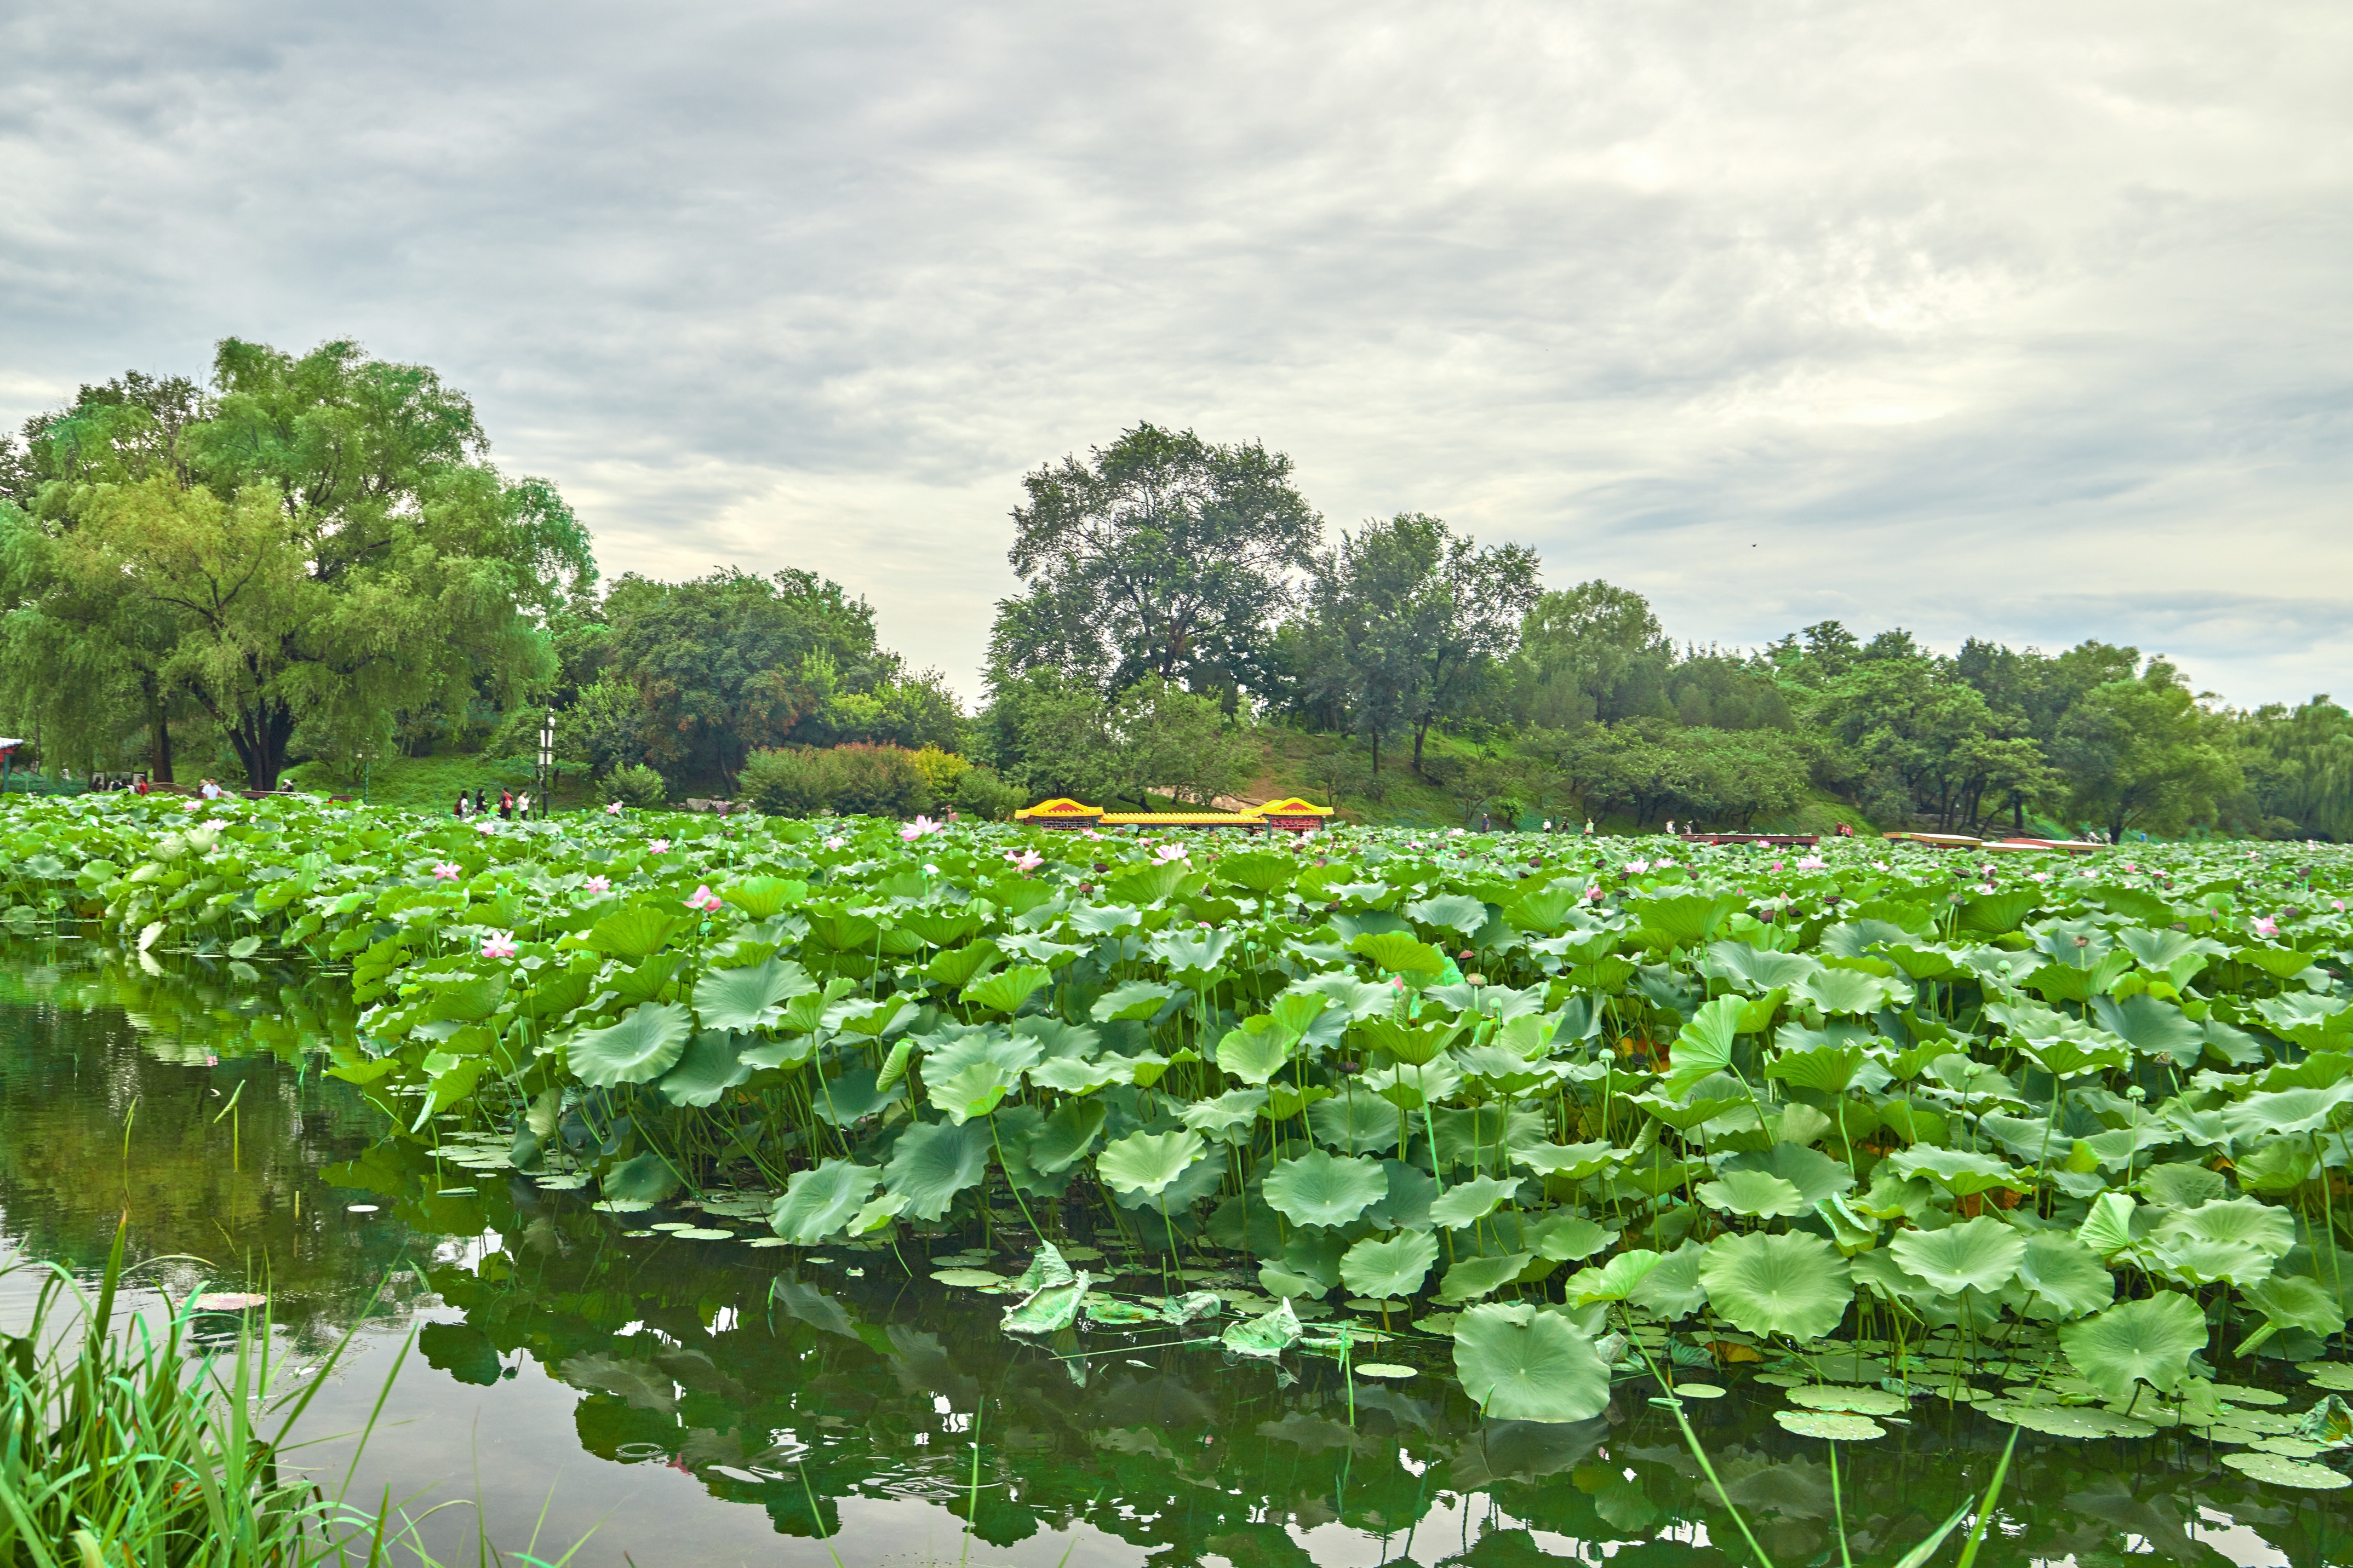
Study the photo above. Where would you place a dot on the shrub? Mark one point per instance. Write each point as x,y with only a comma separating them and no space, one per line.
798,781
636,786
941,771
855,780
985,797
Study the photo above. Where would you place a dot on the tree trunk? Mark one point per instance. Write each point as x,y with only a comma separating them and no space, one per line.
1421,731
2018,813
159,750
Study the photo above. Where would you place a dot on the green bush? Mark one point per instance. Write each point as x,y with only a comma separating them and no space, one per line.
636,786
855,780
983,797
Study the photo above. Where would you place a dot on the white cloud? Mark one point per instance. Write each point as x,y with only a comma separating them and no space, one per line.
2008,319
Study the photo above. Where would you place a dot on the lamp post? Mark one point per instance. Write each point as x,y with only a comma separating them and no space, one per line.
547,760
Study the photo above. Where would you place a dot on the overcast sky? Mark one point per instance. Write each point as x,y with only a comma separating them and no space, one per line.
2024,320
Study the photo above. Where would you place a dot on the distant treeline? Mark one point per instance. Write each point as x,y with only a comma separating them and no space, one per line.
313,557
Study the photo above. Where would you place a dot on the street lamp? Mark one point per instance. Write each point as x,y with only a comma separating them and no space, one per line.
547,760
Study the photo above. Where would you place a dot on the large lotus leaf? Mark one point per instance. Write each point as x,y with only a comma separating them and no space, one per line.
1994,913
2067,1278
1346,993
1756,969
1814,1173
2195,1262
1064,1137
2291,1301
934,1160
1794,1284
1572,1162
1266,1336
1450,911
1393,1267
1261,873
2279,963
1048,1308
1843,991
1235,1109
2286,1113
763,898
1069,1075
1475,1277
2174,955
2150,1341
973,1091
647,1179
710,1065
1981,1254
1616,1280
1354,1123
1005,992
1687,919
2107,1228
1958,1172
1469,1201
467,1000
1672,1288
854,1096
2181,1186
1754,1193
1148,884
1192,952
958,965
1319,1188
1522,1364
1704,1046
1398,953
634,934
1255,1051
817,1203
2152,1027
2245,1221
1137,999
1146,1163
646,1044
1830,1068
749,998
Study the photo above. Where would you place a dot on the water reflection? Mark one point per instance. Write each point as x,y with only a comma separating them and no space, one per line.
696,1400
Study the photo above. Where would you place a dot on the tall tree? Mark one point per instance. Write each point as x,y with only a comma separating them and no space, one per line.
2147,752
1594,651
1412,617
323,539
1163,554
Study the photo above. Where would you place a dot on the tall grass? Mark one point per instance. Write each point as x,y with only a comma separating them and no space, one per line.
124,1446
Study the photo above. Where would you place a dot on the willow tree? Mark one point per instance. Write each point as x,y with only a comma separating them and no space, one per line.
321,544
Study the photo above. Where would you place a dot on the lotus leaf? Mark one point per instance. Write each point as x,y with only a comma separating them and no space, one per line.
934,1160
1824,1423
750,998
2149,1340
1146,1163
1793,1284
1753,1194
1318,1188
1472,1278
1522,1364
1981,1254
646,1044
1393,1267
1469,1201
709,1066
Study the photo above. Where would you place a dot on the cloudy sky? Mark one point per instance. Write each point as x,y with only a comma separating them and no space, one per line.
2020,319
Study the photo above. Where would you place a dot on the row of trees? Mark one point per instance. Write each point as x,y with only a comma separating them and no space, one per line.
1169,558
313,556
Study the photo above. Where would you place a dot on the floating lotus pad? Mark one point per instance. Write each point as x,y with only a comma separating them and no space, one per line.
1826,1423
228,1301
1383,1369
2278,1471
1852,1401
1698,1391
2068,1421
2333,1374
703,1233
970,1279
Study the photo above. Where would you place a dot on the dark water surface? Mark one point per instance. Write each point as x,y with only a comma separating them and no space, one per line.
711,1402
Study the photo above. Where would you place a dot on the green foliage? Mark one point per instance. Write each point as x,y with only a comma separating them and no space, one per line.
634,783
857,779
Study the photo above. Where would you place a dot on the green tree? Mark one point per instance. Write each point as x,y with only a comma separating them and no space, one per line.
1050,735
1180,743
320,543
726,664
1591,652
2299,769
1410,621
2147,752
1163,554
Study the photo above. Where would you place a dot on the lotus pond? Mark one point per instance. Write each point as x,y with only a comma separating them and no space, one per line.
967,1191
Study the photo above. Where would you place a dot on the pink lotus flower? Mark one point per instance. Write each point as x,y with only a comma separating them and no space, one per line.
613,808
446,870
704,899
1987,889
2038,876
1776,865
1025,862
659,846
1879,865
2130,866
1662,865
2266,926
1592,895
1636,867
499,944
836,842
598,885
922,828
485,828
2340,906
1168,853
1454,833
1811,863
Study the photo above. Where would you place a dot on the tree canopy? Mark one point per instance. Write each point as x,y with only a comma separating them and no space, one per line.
310,547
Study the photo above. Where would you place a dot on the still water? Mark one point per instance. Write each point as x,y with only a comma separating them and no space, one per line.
680,1401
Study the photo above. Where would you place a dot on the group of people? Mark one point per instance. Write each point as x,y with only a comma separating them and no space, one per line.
511,807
